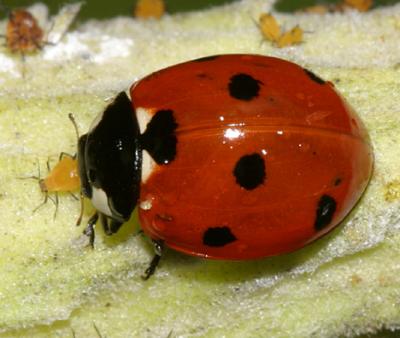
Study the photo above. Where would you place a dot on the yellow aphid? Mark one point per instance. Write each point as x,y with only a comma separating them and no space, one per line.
269,27
63,177
272,32
149,9
292,37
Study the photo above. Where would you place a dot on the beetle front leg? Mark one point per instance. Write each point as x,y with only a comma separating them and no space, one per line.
89,230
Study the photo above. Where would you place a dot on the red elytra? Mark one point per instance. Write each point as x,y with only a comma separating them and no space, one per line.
269,157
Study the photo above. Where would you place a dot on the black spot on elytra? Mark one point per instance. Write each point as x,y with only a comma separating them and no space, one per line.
314,77
325,210
337,181
244,87
206,58
249,171
218,236
159,139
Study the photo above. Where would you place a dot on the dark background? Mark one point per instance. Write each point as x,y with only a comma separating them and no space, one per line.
107,9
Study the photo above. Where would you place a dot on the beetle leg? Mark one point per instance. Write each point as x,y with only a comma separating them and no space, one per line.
110,226
89,230
114,226
104,223
158,250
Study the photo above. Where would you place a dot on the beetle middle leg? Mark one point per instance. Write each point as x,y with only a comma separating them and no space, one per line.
110,226
158,250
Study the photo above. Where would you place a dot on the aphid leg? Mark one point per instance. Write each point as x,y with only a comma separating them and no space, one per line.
48,43
43,190
56,205
48,165
158,250
37,178
64,154
89,230
38,45
46,197
73,196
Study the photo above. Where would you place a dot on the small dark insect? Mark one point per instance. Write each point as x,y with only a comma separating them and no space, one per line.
23,33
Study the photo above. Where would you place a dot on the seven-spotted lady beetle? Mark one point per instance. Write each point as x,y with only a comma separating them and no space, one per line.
227,157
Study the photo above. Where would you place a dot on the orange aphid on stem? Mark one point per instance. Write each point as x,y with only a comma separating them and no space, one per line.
63,177
149,9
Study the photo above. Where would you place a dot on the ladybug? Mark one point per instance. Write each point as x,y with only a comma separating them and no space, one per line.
232,157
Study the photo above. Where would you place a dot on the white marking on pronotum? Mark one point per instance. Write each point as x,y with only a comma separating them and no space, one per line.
144,116
100,201
148,165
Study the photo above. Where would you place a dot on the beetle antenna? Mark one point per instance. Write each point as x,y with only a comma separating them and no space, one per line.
79,220
72,118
